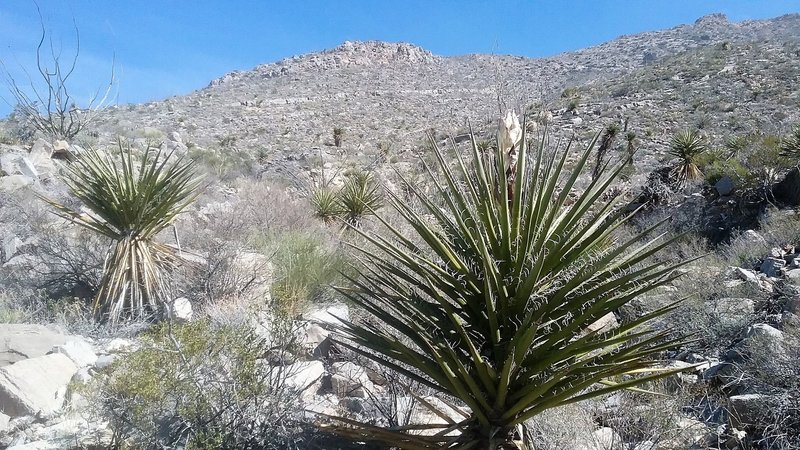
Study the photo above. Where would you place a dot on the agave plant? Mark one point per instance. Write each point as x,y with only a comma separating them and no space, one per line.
130,202
495,308
360,196
687,146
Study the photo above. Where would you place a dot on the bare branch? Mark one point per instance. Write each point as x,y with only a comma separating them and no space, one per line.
48,105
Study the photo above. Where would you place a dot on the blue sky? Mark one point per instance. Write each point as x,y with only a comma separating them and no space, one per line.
172,47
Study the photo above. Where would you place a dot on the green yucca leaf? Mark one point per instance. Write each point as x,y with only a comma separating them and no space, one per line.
130,201
360,197
687,147
493,307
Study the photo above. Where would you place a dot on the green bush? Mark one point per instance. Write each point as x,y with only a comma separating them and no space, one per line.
305,267
197,387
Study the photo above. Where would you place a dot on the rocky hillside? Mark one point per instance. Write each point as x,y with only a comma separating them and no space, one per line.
386,94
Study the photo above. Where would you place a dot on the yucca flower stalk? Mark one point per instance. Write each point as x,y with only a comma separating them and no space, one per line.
130,201
494,308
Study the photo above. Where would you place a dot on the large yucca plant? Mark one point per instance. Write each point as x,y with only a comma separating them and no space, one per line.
687,146
130,200
494,307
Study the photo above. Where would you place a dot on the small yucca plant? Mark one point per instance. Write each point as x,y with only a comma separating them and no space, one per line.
325,203
790,145
130,201
491,303
360,197
687,146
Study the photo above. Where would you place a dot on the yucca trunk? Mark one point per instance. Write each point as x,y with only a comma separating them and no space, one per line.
131,281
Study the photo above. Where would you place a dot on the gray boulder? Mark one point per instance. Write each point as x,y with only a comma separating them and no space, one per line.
35,386
747,408
13,183
350,380
724,186
22,341
79,351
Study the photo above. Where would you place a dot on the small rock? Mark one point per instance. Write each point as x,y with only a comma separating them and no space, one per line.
329,314
577,121
82,376
746,409
104,361
180,310
746,275
793,275
752,237
13,183
766,331
317,341
11,244
22,341
606,323
772,266
350,380
35,386
78,350
724,186
303,374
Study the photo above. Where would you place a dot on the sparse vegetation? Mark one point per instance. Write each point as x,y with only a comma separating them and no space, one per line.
201,387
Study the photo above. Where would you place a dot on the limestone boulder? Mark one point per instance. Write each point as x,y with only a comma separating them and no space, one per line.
79,351
22,341
35,386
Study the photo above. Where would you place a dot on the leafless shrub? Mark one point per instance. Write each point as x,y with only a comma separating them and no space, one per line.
48,105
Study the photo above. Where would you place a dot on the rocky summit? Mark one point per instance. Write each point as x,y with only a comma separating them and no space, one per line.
392,93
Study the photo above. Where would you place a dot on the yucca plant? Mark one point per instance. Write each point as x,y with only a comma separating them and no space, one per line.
491,303
607,140
130,201
360,197
687,146
325,203
790,145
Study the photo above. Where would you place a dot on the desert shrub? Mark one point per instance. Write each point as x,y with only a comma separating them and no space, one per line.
338,136
716,164
195,386
305,268
223,163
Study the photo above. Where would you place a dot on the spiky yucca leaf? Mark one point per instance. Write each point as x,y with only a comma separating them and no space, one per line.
325,203
494,308
130,201
687,147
